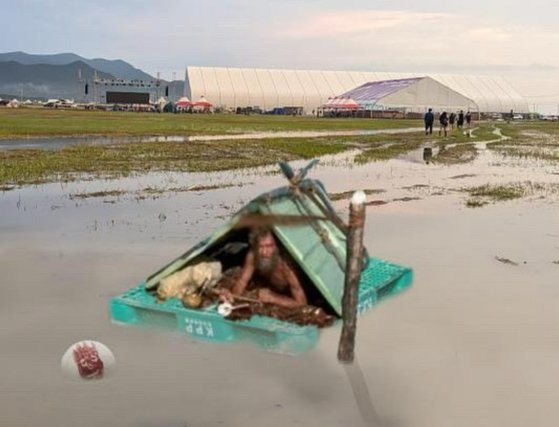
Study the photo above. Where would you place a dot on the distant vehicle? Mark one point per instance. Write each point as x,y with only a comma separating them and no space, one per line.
550,118
60,103
518,117
496,116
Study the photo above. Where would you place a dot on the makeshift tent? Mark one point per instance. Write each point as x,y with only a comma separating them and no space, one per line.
317,248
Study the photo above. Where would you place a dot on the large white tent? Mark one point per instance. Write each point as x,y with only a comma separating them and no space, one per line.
415,94
268,89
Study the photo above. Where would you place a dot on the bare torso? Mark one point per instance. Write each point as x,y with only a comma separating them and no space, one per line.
283,287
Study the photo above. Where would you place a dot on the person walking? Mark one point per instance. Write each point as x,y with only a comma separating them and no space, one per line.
443,120
460,121
468,119
429,118
451,120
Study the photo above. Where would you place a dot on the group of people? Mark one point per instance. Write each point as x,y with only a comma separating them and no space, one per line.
446,120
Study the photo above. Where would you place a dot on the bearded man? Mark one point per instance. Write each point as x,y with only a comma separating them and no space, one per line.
265,261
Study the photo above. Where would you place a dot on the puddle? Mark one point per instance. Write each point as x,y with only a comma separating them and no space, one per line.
422,155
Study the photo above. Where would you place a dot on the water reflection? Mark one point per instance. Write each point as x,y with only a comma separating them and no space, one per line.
427,154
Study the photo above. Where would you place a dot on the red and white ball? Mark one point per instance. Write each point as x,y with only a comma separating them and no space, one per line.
88,360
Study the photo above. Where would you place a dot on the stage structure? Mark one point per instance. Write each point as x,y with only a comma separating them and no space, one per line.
120,91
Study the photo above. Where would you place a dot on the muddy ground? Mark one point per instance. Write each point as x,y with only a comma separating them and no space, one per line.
472,343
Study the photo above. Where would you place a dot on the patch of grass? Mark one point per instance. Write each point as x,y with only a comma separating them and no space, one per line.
512,131
112,193
415,186
201,187
526,152
33,122
150,191
506,261
460,153
531,140
497,192
543,126
483,132
347,194
24,166
485,194
37,166
475,203
389,148
406,199
458,147
386,153
464,175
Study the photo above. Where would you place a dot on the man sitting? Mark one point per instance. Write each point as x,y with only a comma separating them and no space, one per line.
265,261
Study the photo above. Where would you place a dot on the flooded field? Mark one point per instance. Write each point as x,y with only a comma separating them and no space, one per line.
57,143
472,343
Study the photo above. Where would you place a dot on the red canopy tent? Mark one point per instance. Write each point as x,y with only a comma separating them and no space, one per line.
183,102
341,103
203,102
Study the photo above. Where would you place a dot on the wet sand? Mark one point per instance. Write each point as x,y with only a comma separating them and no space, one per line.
472,343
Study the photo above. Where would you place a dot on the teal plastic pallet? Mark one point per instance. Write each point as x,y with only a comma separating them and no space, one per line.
379,281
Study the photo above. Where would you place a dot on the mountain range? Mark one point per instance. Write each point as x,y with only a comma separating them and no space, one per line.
118,68
62,75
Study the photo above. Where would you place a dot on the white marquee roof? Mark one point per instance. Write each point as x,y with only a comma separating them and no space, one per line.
269,88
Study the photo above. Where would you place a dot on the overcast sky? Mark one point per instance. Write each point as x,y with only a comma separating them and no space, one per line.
515,39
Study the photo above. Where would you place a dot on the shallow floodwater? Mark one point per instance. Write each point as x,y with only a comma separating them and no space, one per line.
58,143
472,343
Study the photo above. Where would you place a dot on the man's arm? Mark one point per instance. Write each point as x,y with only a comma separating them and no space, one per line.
246,274
296,288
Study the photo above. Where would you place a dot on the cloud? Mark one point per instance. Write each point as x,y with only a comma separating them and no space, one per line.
487,33
288,34
410,40
343,23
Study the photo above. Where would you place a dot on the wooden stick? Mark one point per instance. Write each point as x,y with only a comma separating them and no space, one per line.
354,263
246,299
238,297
